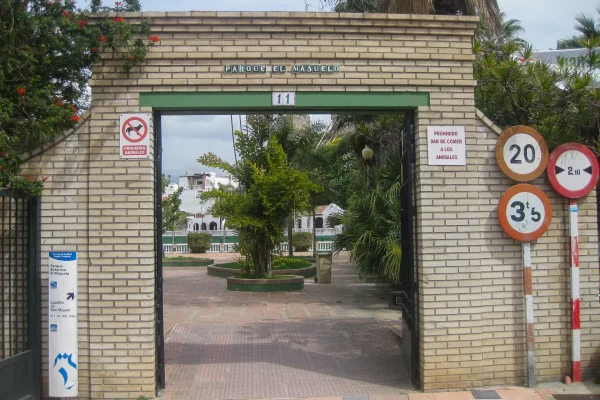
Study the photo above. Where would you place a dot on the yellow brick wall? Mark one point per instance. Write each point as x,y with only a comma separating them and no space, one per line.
470,282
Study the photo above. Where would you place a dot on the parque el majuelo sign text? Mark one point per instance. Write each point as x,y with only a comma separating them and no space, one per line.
282,69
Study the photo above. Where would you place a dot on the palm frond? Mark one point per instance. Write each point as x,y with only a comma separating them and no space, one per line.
488,10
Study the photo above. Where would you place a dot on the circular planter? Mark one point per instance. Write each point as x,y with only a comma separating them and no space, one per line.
307,272
265,285
188,263
221,272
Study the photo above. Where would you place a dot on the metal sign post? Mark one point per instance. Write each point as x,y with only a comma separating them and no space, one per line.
525,212
573,172
575,299
528,288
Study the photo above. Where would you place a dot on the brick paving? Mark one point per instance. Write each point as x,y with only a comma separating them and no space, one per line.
326,340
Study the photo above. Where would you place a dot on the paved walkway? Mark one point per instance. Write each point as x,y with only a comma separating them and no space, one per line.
326,340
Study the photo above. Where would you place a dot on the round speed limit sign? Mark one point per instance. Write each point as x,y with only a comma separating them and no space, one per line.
524,212
522,153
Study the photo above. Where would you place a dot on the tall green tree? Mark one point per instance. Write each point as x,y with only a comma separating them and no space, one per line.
589,34
372,220
47,50
270,189
488,10
561,101
172,218
298,141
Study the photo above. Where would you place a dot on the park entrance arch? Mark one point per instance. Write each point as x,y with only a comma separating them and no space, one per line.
307,103
466,290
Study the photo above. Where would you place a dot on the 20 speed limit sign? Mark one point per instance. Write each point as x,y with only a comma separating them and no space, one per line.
524,212
522,153
573,170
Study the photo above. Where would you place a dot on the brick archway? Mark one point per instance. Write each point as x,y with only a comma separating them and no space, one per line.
469,290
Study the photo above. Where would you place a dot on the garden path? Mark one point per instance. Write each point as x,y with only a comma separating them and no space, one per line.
338,339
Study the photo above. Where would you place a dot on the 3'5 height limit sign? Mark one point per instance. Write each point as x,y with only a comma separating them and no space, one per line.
134,134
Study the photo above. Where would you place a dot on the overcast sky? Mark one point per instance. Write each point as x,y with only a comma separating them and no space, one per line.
185,138
545,21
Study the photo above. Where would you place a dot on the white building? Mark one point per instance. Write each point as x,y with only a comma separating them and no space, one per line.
198,210
193,186
172,188
321,215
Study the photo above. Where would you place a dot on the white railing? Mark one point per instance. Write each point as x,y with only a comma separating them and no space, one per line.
318,231
179,248
283,246
230,248
177,233
230,232
324,246
222,233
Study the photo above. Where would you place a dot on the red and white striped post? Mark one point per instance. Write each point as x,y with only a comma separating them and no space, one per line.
528,287
575,300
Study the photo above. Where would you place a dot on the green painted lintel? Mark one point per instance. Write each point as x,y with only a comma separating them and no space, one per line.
262,101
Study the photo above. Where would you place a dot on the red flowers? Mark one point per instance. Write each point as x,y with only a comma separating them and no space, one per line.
21,91
81,23
75,118
154,39
94,50
130,57
118,19
29,177
74,109
102,38
2,154
66,14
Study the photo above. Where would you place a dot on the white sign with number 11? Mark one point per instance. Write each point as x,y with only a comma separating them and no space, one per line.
284,98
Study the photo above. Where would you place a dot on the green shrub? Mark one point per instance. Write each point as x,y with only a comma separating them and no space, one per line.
289,263
302,241
199,242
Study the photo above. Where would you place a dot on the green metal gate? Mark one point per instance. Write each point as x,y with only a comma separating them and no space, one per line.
20,331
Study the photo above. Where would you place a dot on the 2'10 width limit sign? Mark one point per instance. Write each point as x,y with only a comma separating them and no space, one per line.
134,134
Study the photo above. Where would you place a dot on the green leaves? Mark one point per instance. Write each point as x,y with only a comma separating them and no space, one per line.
47,50
270,190
559,101
172,218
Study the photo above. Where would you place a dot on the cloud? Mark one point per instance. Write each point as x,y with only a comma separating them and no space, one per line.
546,21
185,138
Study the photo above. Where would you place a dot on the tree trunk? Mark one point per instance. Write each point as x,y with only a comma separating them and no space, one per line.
290,234
262,264
314,228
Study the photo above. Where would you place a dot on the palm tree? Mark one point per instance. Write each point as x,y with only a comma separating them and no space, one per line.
488,10
495,39
589,29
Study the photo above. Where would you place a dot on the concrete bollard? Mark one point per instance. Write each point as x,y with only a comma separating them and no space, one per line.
324,261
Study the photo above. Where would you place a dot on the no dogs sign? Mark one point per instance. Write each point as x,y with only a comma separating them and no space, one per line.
134,134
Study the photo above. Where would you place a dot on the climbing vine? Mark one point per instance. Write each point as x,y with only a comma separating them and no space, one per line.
47,52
